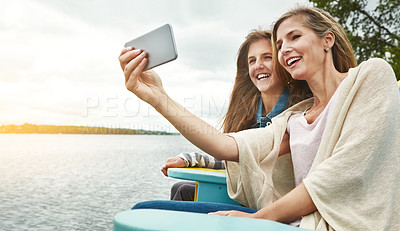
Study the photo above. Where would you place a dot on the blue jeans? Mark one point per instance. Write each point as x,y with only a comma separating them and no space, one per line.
191,206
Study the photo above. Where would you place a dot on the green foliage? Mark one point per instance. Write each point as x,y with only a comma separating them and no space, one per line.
372,33
53,129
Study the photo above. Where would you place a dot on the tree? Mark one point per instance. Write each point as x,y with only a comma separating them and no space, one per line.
372,33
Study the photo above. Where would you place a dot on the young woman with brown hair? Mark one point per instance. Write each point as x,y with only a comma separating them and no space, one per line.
258,95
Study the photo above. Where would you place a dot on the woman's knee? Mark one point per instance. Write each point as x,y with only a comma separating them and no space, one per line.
183,191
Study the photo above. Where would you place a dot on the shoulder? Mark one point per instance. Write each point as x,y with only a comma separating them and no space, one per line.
374,75
374,69
375,64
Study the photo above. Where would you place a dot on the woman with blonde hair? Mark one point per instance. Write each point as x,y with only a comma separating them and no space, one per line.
344,142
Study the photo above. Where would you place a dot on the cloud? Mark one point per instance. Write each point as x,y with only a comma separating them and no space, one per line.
58,61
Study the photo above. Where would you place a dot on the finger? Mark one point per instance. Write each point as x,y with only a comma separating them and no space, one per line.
220,213
171,165
123,57
126,49
169,160
126,57
132,59
133,79
164,171
175,164
167,165
139,69
131,69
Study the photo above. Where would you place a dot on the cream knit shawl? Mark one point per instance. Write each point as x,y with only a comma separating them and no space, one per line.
355,179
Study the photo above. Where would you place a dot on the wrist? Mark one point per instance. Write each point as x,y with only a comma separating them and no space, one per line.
184,159
161,102
267,213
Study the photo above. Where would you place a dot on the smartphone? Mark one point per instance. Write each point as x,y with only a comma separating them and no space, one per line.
159,44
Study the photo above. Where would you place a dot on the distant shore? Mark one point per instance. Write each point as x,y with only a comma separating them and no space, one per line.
56,129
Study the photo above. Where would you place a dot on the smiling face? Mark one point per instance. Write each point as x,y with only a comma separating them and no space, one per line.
260,64
300,49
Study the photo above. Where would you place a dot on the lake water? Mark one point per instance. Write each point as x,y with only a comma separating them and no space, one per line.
79,182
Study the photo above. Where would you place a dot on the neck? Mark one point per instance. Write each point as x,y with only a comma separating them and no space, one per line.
324,84
270,98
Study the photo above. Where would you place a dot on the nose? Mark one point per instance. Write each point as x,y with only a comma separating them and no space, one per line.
259,64
285,49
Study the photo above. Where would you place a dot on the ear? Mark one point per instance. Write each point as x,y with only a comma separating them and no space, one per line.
329,39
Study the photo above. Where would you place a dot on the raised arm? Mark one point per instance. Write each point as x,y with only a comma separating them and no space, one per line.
148,87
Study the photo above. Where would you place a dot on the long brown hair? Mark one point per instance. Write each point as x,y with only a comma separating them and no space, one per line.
245,96
320,22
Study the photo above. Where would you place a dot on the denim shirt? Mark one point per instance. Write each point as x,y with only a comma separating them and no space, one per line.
279,107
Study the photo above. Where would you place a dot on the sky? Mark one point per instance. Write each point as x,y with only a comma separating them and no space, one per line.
59,59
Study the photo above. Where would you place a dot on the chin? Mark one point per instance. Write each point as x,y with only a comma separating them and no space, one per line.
263,88
298,76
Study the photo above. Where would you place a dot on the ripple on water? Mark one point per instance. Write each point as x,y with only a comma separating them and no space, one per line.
77,182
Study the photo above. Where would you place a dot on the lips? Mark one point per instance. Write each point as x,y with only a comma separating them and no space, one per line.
290,61
263,76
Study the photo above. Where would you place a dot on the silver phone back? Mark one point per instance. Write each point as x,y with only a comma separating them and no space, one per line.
159,45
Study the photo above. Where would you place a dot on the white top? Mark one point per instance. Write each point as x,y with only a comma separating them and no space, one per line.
305,139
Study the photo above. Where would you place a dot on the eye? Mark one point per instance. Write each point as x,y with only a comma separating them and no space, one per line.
251,61
267,57
296,37
278,47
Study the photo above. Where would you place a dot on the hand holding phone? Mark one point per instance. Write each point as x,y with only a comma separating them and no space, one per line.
159,45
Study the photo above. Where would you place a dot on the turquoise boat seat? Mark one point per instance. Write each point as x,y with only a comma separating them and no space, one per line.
153,219
210,183
210,187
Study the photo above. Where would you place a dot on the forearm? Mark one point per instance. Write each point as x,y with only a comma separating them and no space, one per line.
198,132
201,160
294,205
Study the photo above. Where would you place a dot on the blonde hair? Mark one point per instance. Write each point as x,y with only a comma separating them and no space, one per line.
245,96
321,22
